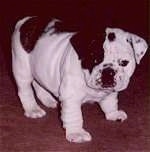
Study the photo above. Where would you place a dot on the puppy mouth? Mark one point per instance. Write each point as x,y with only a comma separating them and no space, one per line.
111,85
106,83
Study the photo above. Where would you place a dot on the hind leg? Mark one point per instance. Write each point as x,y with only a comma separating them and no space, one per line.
31,108
23,77
45,97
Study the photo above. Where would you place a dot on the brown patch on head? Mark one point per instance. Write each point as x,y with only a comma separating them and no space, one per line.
111,36
89,47
30,31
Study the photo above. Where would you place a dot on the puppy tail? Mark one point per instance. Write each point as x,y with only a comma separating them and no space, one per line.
16,43
15,39
21,22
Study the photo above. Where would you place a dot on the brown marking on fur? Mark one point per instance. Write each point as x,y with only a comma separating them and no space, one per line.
30,31
89,47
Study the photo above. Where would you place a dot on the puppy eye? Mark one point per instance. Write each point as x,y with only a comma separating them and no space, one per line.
123,63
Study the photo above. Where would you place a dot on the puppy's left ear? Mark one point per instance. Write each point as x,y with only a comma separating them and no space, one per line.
139,47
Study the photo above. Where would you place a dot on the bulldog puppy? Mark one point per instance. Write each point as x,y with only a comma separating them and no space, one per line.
73,67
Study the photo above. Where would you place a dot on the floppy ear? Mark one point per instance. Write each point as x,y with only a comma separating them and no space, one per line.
139,46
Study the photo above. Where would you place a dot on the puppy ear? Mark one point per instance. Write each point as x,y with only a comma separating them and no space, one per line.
139,47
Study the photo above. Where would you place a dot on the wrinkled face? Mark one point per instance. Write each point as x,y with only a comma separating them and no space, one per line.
119,62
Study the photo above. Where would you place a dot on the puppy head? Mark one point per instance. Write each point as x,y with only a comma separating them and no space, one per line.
122,50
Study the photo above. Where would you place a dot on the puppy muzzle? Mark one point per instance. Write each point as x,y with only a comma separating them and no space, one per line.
107,78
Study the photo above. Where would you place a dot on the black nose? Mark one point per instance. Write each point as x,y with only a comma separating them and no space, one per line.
108,77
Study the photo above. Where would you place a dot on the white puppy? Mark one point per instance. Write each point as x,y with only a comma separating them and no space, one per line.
54,65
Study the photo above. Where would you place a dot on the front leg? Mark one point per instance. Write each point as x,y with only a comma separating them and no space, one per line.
71,96
110,107
71,116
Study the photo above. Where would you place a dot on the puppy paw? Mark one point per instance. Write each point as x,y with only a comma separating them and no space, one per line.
79,136
117,115
35,112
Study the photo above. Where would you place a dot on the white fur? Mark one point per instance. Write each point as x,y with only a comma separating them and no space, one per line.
55,65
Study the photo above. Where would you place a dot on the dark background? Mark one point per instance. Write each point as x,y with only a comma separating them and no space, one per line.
20,134
130,15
